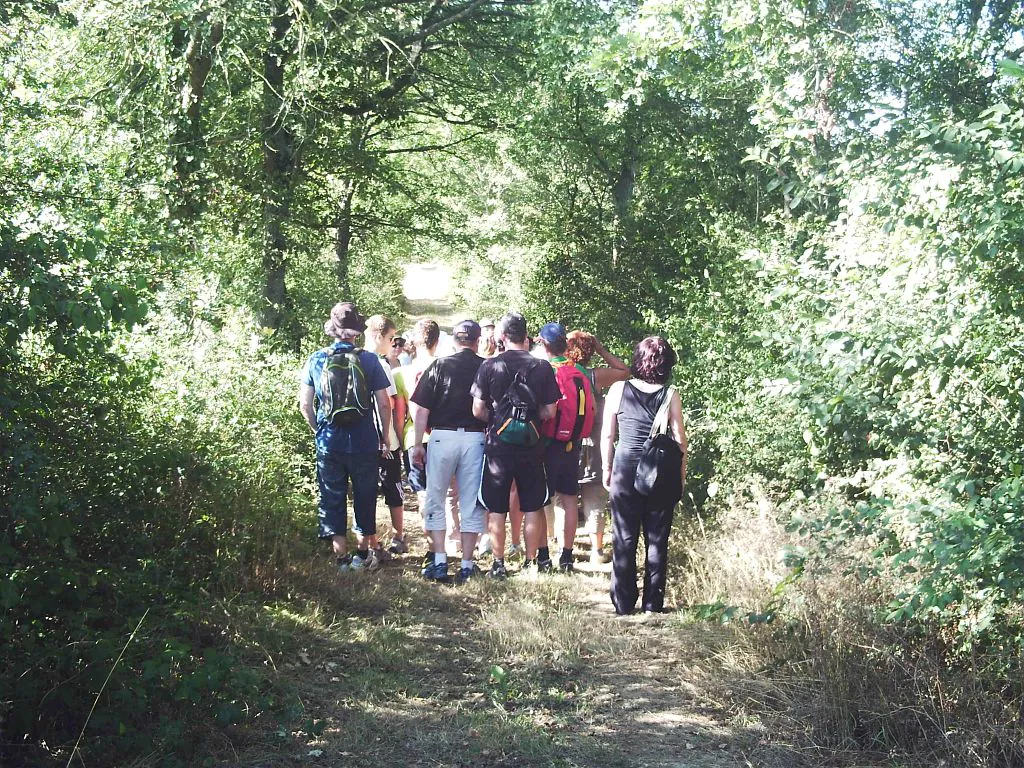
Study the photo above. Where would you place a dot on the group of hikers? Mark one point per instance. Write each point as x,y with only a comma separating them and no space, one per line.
504,427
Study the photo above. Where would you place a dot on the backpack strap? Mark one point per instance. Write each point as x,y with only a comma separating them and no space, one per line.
660,424
581,410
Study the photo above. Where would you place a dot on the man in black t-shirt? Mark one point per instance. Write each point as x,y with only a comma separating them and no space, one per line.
505,463
456,448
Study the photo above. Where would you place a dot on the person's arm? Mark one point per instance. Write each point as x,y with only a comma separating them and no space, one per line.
675,419
397,417
481,390
421,418
617,370
306,405
481,410
384,412
609,432
549,391
401,406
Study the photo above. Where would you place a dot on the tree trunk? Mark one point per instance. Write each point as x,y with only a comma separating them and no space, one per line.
188,144
343,235
278,174
624,183
358,134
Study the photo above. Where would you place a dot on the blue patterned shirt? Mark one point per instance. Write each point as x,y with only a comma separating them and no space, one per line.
361,437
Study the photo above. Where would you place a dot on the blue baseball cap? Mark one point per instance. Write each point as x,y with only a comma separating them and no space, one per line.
552,332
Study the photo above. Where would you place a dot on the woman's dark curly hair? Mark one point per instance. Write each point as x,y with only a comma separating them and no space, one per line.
653,359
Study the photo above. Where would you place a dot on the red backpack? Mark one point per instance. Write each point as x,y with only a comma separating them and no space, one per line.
574,414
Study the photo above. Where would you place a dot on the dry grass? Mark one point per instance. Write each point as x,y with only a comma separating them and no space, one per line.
846,689
388,670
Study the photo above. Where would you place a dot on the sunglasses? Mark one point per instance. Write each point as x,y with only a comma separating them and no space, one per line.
398,343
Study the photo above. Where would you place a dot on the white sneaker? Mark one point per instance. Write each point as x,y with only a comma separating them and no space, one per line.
357,563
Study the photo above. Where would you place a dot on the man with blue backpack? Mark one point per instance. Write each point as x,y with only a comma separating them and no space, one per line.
514,392
338,389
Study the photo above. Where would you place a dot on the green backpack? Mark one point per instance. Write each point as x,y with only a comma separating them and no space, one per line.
344,394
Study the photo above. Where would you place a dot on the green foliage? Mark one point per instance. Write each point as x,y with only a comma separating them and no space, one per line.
820,206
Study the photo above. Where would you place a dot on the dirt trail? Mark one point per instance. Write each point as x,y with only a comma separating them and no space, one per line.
530,671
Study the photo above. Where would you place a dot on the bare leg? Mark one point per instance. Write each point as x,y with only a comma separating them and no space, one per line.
569,505
436,540
339,544
496,527
468,545
515,518
398,522
551,520
452,521
536,532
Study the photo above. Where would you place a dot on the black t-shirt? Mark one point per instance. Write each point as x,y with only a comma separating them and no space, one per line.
444,388
494,378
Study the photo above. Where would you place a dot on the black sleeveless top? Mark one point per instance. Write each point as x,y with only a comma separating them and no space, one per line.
636,413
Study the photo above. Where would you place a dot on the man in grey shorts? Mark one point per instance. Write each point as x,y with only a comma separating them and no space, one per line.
456,448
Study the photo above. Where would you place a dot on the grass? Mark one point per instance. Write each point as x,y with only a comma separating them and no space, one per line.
387,670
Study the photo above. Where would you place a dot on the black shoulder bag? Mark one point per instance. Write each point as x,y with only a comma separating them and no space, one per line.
659,473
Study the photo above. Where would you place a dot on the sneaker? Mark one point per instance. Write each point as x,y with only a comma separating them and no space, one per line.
436,572
599,557
374,559
398,546
428,560
468,572
514,551
483,546
567,567
344,564
357,563
497,571
544,566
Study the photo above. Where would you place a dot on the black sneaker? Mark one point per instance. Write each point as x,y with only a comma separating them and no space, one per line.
566,567
436,572
497,571
544,566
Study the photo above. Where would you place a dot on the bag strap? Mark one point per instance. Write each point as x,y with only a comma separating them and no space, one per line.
660,424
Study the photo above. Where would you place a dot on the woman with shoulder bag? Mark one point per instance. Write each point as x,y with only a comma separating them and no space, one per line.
644,472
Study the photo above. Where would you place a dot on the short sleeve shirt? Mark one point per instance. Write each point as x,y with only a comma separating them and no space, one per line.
445,387
406,379
495,376
361,437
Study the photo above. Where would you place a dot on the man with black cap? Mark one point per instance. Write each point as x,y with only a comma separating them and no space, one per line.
347,442
456,448
517,382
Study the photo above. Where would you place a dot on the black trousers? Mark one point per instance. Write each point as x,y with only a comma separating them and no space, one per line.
633,513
